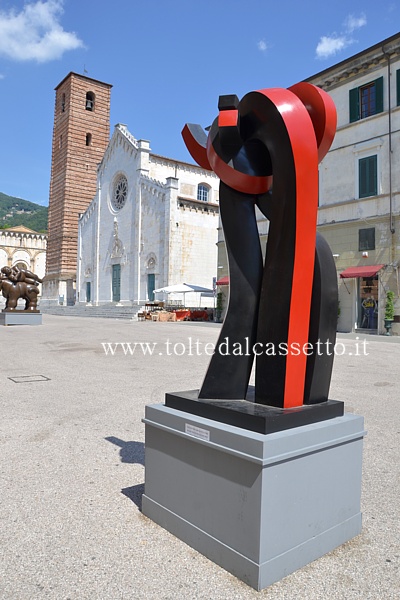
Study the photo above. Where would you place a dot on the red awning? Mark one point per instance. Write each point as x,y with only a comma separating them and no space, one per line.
367,271
223,281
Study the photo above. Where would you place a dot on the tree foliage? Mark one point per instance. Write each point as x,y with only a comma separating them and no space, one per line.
16,211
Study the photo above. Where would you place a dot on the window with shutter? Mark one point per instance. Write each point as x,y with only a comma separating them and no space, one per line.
366,100
366,239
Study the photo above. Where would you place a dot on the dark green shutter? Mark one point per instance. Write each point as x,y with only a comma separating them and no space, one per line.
362,178
373,175
354,103
368,176
379,94
398,86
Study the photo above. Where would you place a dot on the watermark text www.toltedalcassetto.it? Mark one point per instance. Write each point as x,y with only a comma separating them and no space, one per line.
194,347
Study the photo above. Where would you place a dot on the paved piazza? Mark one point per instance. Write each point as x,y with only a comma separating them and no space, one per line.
72,467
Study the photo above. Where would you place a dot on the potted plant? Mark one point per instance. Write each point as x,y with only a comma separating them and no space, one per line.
389,312
218,308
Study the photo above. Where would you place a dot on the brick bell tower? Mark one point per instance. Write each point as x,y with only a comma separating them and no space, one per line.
80,137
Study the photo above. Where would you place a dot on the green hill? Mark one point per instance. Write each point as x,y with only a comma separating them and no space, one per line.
15,211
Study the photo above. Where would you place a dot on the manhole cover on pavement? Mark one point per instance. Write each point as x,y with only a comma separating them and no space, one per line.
29,378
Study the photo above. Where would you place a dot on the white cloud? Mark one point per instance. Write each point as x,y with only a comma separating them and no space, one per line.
330,45
35,33
262,46
351,22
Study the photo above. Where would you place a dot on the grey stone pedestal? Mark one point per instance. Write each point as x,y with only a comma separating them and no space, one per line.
259,505
20,317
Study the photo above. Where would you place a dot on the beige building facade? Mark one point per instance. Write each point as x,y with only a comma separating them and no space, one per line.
359,207
359,187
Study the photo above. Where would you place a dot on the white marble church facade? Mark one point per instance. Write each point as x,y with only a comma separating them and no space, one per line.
153,222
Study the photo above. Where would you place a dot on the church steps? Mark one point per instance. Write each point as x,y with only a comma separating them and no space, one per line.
105,312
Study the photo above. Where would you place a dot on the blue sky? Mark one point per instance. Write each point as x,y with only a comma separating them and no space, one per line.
168,61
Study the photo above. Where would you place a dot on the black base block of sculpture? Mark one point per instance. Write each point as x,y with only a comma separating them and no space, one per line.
247,414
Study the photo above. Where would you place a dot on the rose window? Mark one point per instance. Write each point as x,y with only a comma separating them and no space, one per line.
120,192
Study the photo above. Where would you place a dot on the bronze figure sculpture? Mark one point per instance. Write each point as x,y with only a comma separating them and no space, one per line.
16,283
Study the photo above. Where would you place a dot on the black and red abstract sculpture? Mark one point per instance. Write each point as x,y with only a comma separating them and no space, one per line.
265,149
